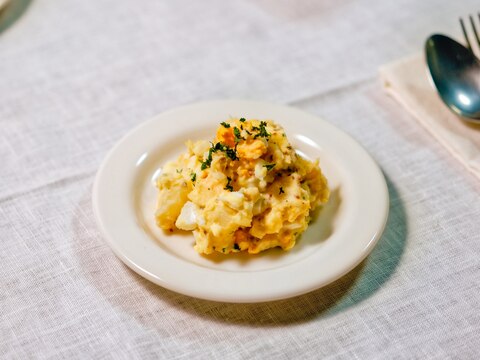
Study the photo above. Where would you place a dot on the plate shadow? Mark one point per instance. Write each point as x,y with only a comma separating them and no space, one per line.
146,302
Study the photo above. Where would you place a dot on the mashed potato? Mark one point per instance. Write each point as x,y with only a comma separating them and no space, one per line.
247,190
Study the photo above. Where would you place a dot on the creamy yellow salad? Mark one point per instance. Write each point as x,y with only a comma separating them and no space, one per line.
248,190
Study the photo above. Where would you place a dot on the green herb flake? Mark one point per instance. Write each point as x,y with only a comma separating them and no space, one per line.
225,125
231,154
179,171
242,120
193,177
208,162
229,186
262,130
238,136
218,147
281,191
269,166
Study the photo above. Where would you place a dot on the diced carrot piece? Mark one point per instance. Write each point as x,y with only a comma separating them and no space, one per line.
226,136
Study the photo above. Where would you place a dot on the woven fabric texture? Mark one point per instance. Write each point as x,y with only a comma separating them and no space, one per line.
78,75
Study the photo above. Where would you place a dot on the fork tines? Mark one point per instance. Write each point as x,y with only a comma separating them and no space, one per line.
475,33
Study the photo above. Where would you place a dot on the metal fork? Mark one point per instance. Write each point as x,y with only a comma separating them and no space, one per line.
475,33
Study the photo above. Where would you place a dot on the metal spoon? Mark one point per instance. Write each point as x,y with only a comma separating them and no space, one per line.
455,71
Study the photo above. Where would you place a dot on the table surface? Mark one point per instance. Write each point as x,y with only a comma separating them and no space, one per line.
78,75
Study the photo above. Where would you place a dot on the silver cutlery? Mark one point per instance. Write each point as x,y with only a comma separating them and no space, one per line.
455,71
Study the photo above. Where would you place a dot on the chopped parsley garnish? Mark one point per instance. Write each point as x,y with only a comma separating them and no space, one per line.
179,171
262,130
208,161
229,186
269,166
237,134
225,125
248,132
229,152
193,177
280,191
242,119
218,146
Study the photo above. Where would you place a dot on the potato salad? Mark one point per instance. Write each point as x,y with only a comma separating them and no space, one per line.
247,190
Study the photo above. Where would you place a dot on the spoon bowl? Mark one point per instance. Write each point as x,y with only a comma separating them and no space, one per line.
455,72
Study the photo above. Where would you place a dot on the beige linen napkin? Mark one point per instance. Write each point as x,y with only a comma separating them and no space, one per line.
407,81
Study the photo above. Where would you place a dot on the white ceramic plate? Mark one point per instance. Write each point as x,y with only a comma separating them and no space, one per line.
339,238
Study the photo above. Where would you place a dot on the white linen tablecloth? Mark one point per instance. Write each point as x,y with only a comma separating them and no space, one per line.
77,75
